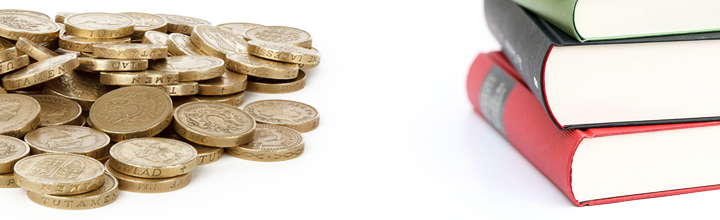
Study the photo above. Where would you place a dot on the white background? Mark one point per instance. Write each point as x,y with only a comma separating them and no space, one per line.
398,138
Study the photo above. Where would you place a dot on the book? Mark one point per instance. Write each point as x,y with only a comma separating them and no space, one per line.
640,81
588,20
599,165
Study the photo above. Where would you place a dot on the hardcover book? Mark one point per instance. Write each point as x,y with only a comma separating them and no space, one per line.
588,20
640,81
599,165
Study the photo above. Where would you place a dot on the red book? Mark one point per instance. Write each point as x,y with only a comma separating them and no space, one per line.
599,165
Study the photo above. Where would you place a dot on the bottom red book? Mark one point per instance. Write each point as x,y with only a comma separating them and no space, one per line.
601,165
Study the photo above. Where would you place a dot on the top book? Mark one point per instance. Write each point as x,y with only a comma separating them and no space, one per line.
592,20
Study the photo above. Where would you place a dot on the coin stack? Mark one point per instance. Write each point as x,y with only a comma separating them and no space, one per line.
135,101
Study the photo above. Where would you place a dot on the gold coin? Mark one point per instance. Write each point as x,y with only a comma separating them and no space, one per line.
153,157
27,12
144,185
130,51
142,78
7,180
87,44
11,151
214,124
34,50
56,110
97,198
205,155
181,89
62,51
296,115
146,22
60,16
69,139
228,83
276,86
88,55
59,174
13,63
154,37
40,72
271,143
182,24
62,29
280,35
247,64
81,87
238,28
99,25
236,99
180,45
217,42
282,53
192,68
310,66
19,113
14,25
104,159
132,112
111,65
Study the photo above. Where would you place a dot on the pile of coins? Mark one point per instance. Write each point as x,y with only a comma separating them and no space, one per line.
93,103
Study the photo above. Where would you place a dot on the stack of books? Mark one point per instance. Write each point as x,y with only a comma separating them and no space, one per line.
612,100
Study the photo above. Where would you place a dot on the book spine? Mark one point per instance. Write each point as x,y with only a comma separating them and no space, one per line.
524,43
560,13
512,109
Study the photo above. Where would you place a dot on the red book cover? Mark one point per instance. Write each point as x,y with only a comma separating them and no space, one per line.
497,94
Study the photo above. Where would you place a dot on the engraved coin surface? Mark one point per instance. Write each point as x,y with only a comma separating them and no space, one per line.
192,68
254,66
153,157
217,42
154,37
238,28
11,150
13,64
80,44
130,51
296,115
41,72
214,124
56,110
140,78
59,174
81,87
281,35
228,83
27,12
146,185
183,24
146,22
69,139
180,89
34,50
236,99
271,143
283,52
19,114
14,25
131,112
93,64
99,25
100,197
205,155
181,45
7,180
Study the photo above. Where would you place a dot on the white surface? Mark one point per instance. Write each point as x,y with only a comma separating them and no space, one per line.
397,140
613,18
633,82
620,165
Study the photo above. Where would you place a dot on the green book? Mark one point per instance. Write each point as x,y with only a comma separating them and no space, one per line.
592,20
